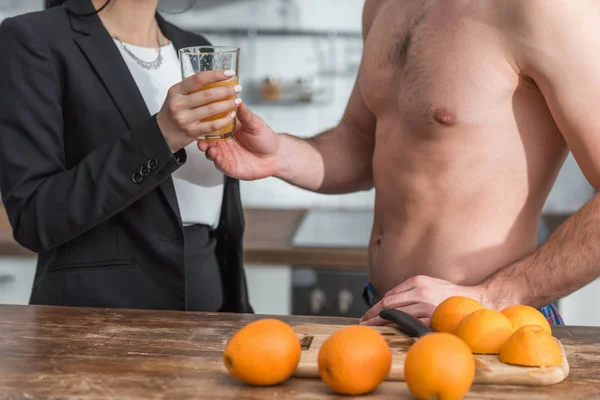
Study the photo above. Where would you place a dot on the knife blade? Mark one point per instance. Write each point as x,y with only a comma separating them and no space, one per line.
416,329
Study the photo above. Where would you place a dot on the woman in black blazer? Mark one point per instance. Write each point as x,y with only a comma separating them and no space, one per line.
91,145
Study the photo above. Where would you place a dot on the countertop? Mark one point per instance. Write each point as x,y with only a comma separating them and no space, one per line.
60,352
267,240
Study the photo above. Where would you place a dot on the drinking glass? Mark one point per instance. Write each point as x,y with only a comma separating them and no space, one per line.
209,58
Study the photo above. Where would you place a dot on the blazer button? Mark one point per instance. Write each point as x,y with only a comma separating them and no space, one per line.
179,157
136,177
144,171
152,164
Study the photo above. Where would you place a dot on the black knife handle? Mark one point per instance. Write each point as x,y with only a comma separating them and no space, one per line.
406,322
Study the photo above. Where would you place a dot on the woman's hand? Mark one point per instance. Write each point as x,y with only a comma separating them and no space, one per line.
185,106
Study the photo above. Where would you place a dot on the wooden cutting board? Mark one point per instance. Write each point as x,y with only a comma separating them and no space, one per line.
313,335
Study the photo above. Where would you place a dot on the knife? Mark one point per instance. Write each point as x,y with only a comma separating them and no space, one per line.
416,329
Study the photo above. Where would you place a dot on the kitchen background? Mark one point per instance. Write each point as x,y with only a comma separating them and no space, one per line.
299,61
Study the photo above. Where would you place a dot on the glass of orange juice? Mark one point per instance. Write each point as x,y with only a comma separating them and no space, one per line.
208,58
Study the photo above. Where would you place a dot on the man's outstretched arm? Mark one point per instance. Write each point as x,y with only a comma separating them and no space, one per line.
339,160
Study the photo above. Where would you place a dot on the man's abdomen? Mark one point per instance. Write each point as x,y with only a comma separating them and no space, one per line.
454,208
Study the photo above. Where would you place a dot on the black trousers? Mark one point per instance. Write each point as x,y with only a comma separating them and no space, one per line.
203,279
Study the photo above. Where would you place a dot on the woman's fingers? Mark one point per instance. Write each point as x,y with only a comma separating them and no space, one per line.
211,95
199,129
199,80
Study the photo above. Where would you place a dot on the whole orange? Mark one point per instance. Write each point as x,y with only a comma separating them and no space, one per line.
354,360
439,366
531,346
485,331
521,315
262,353
448,314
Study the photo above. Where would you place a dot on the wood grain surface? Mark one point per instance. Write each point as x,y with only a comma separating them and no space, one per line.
500,373
79,353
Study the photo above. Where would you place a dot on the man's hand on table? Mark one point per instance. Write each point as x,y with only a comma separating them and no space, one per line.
419,296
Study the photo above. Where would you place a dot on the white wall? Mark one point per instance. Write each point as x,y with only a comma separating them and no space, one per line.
303,14
10,8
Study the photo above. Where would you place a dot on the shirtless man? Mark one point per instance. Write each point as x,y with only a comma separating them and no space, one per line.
461,117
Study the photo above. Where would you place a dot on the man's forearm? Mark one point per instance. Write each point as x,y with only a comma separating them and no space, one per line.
568,260
332,162
300,163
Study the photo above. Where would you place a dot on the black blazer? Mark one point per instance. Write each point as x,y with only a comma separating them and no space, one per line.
86,173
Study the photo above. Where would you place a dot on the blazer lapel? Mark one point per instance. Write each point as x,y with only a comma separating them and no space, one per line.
106,60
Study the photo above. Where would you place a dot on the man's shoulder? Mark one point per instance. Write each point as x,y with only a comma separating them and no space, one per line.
543,29
546,16
370,11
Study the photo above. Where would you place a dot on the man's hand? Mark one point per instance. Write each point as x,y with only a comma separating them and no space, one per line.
251,155
419,296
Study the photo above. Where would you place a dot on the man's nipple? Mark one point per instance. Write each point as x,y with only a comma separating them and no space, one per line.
444,117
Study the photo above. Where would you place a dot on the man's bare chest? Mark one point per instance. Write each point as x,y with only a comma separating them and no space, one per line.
434,64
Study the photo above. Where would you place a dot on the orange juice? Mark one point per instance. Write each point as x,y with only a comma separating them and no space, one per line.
227,131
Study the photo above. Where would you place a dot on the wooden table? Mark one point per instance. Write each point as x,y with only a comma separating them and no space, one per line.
54,352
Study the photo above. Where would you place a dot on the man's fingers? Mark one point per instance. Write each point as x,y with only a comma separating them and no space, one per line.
375,321
418,281
403,287
419,310
372,312
251,122
400,300
203,146
212,153
392,301
422,311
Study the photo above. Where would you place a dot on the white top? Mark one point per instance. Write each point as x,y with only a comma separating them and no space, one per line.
198,184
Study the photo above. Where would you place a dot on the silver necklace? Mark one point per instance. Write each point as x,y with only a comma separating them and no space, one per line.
145,64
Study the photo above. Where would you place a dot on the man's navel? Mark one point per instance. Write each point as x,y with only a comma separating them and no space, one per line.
444,117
